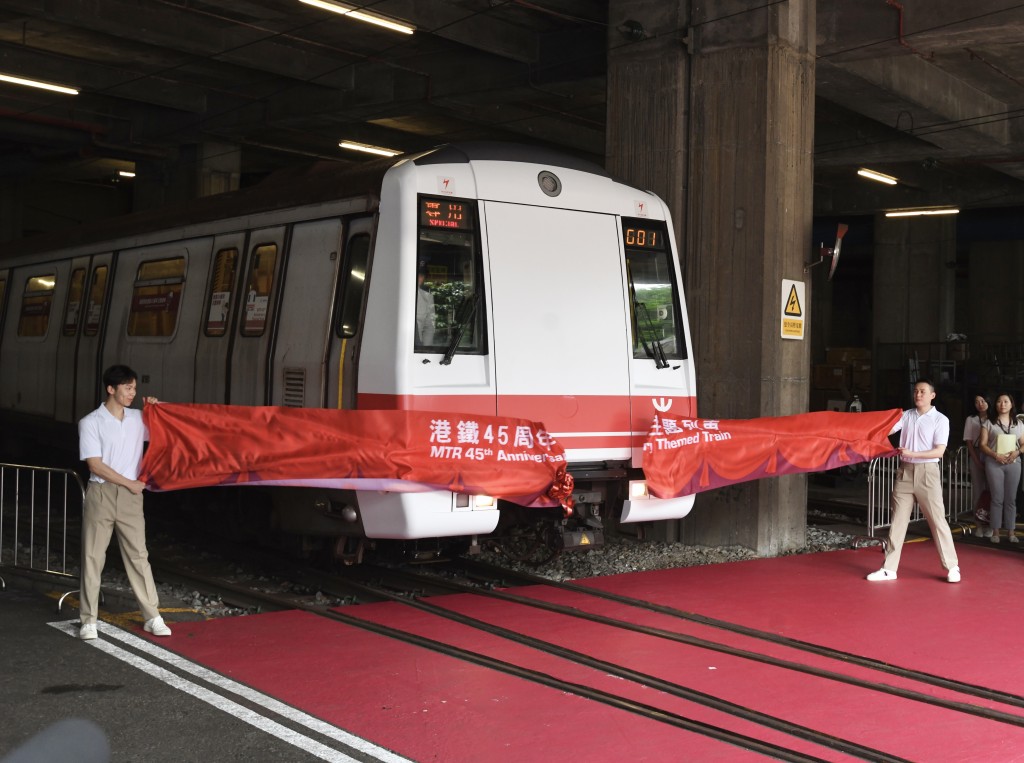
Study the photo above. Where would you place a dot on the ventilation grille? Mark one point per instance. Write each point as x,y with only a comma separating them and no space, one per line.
295,387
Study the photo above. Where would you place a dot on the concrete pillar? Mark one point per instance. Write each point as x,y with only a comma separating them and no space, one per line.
735,113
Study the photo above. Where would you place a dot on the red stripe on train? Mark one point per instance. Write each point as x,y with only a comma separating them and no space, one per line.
585,414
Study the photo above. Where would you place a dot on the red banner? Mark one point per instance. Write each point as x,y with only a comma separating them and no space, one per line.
401,451
684,456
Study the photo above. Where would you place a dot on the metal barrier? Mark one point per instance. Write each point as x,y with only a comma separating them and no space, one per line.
956,489
36,504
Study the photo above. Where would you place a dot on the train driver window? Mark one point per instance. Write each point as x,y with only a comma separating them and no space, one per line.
156,298
73,307
353,284
449,290
257,289
35,305
97,296
219,300
654,301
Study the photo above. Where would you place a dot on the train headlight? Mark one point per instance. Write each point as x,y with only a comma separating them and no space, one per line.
638,489
483,502
549,183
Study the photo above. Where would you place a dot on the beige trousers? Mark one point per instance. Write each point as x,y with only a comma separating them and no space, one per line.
109,507
922,482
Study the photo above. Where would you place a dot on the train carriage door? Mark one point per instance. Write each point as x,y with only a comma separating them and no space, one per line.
304,322
348,312
72,314
213,348
250,352
560,342
88,385
30,337
153,319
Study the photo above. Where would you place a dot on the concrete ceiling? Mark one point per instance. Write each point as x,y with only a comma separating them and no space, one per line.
932,94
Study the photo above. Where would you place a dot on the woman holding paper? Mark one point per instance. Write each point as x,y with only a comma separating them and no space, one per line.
1002,437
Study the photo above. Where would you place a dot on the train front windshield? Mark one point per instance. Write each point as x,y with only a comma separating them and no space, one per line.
449,294
654,301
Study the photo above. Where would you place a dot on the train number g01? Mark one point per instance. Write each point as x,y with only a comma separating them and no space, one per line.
643,238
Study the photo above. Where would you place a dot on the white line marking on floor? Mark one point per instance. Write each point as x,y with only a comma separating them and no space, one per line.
233,708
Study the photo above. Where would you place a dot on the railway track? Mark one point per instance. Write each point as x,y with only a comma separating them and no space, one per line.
416,589
354,591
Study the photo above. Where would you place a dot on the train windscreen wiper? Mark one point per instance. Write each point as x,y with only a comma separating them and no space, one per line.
654,350
466,312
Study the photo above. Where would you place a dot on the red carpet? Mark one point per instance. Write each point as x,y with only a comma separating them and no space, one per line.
430,707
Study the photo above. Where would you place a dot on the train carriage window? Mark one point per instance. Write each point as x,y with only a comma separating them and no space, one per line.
258,288
97,297
354,284
157,298
73,306
449,293
219,301
35,305
654,299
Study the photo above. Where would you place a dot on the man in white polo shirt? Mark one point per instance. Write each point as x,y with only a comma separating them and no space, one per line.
110,441
924,433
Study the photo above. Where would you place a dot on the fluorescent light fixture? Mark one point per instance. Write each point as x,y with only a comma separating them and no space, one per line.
879,176
366,148
125,174
36,83
920,212
369,18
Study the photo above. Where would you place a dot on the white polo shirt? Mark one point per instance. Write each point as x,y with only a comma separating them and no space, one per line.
117,443
922,432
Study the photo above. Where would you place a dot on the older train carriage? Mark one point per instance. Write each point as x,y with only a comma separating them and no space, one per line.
482,278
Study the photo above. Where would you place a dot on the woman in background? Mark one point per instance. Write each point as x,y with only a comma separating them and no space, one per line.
979,483
1001,440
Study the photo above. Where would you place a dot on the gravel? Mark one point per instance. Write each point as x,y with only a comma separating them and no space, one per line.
621,555
618,555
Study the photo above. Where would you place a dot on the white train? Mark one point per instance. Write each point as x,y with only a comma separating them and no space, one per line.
481,278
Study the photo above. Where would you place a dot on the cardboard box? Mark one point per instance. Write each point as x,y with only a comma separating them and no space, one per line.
831,376
842,355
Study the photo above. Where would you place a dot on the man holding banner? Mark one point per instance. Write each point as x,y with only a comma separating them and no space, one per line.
924,433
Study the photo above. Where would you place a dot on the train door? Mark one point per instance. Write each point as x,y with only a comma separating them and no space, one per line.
213,351
67,339
250,351
155,315
31,332
348,313
88,385
304,323
560,328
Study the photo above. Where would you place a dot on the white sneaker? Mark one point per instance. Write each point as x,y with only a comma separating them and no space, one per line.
953,576
87,632
157,627
882,574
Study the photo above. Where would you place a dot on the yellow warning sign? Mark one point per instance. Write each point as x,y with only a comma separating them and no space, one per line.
584,540
792,309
